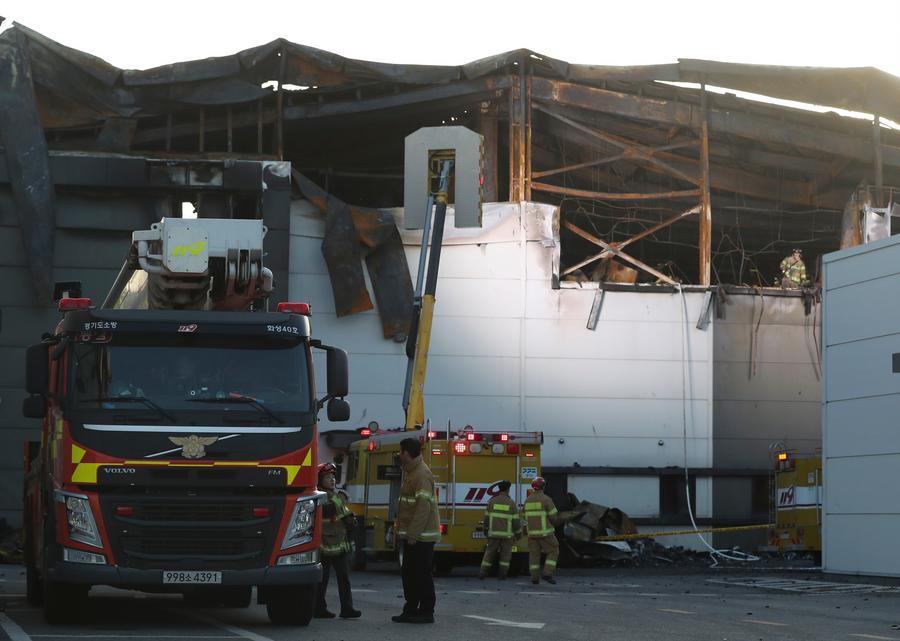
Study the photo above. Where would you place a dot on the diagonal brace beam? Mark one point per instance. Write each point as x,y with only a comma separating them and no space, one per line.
609,159
620,254
637,151
635,238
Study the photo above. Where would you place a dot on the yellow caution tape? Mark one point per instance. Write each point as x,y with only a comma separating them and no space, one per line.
653,535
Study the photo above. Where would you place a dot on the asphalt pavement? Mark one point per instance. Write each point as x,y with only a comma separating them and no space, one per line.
598,604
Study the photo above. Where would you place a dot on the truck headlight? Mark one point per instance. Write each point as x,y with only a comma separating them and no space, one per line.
302,524
80,518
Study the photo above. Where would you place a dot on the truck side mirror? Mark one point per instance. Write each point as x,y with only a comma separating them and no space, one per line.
338,374
338,410
36,407
37,370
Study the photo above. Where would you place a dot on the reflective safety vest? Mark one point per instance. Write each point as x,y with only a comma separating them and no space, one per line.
417,512
795,270
334,529
500,517
539,512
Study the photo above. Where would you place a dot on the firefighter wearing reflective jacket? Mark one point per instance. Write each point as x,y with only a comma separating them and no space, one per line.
501,526
540,518
335,549
418,529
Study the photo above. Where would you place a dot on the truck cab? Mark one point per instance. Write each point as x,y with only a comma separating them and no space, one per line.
177,453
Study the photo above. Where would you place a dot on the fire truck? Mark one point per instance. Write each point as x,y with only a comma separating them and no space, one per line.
467,464
178,442
796,503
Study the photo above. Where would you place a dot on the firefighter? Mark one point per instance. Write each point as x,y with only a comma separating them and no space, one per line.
502,526
418,529
335,549
540,518
793,270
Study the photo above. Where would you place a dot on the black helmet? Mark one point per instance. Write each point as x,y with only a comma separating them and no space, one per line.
504,486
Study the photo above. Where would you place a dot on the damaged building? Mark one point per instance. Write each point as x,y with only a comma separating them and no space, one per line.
622,296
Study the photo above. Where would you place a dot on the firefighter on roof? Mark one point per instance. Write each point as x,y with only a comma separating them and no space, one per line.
540,519
502,526
793,270
336,520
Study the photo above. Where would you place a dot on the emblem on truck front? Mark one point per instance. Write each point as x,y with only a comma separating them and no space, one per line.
193,446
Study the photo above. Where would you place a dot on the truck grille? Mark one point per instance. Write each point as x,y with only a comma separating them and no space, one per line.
205,512
193,532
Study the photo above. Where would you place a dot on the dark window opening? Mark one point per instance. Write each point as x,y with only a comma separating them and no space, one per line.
673,495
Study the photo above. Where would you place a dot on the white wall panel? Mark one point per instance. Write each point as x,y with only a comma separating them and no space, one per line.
613,340
617,417
854,489
622,451
847,435
511,353
853,544
862,399
864,369
595,378
864,310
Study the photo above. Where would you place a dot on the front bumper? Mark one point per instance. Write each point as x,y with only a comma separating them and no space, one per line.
115,576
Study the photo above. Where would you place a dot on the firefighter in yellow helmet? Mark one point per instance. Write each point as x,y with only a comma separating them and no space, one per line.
793,270
335,549
501,526
540,519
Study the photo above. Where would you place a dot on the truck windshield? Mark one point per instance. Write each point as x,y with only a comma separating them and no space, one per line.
173,376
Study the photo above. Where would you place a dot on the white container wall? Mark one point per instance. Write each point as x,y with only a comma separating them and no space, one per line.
861,403
510,352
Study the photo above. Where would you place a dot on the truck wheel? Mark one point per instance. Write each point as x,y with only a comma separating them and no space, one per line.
292,606
63,602
34,589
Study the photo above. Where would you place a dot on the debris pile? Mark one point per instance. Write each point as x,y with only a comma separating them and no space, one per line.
585,522
649,553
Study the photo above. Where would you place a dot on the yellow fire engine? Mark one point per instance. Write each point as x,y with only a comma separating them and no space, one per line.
796,503
467,466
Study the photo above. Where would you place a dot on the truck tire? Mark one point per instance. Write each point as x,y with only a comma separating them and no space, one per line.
292,606
34,589
63,602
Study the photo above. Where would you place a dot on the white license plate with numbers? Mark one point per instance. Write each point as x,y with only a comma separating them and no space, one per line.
191,578
478,535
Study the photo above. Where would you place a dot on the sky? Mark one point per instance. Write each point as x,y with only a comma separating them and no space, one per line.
788,32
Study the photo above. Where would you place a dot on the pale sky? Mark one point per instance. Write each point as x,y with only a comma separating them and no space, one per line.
623,32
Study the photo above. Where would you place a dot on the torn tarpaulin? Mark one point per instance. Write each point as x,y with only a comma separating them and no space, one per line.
353,233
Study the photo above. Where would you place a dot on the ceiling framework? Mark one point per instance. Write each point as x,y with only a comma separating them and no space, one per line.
683,184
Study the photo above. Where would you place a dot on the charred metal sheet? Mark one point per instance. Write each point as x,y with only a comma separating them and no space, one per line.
27,164
352,233
117,134
864,89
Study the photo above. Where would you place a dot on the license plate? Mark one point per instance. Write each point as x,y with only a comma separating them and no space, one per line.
478,535
191,578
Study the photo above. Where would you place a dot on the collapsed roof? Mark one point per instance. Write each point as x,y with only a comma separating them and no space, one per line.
619,149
